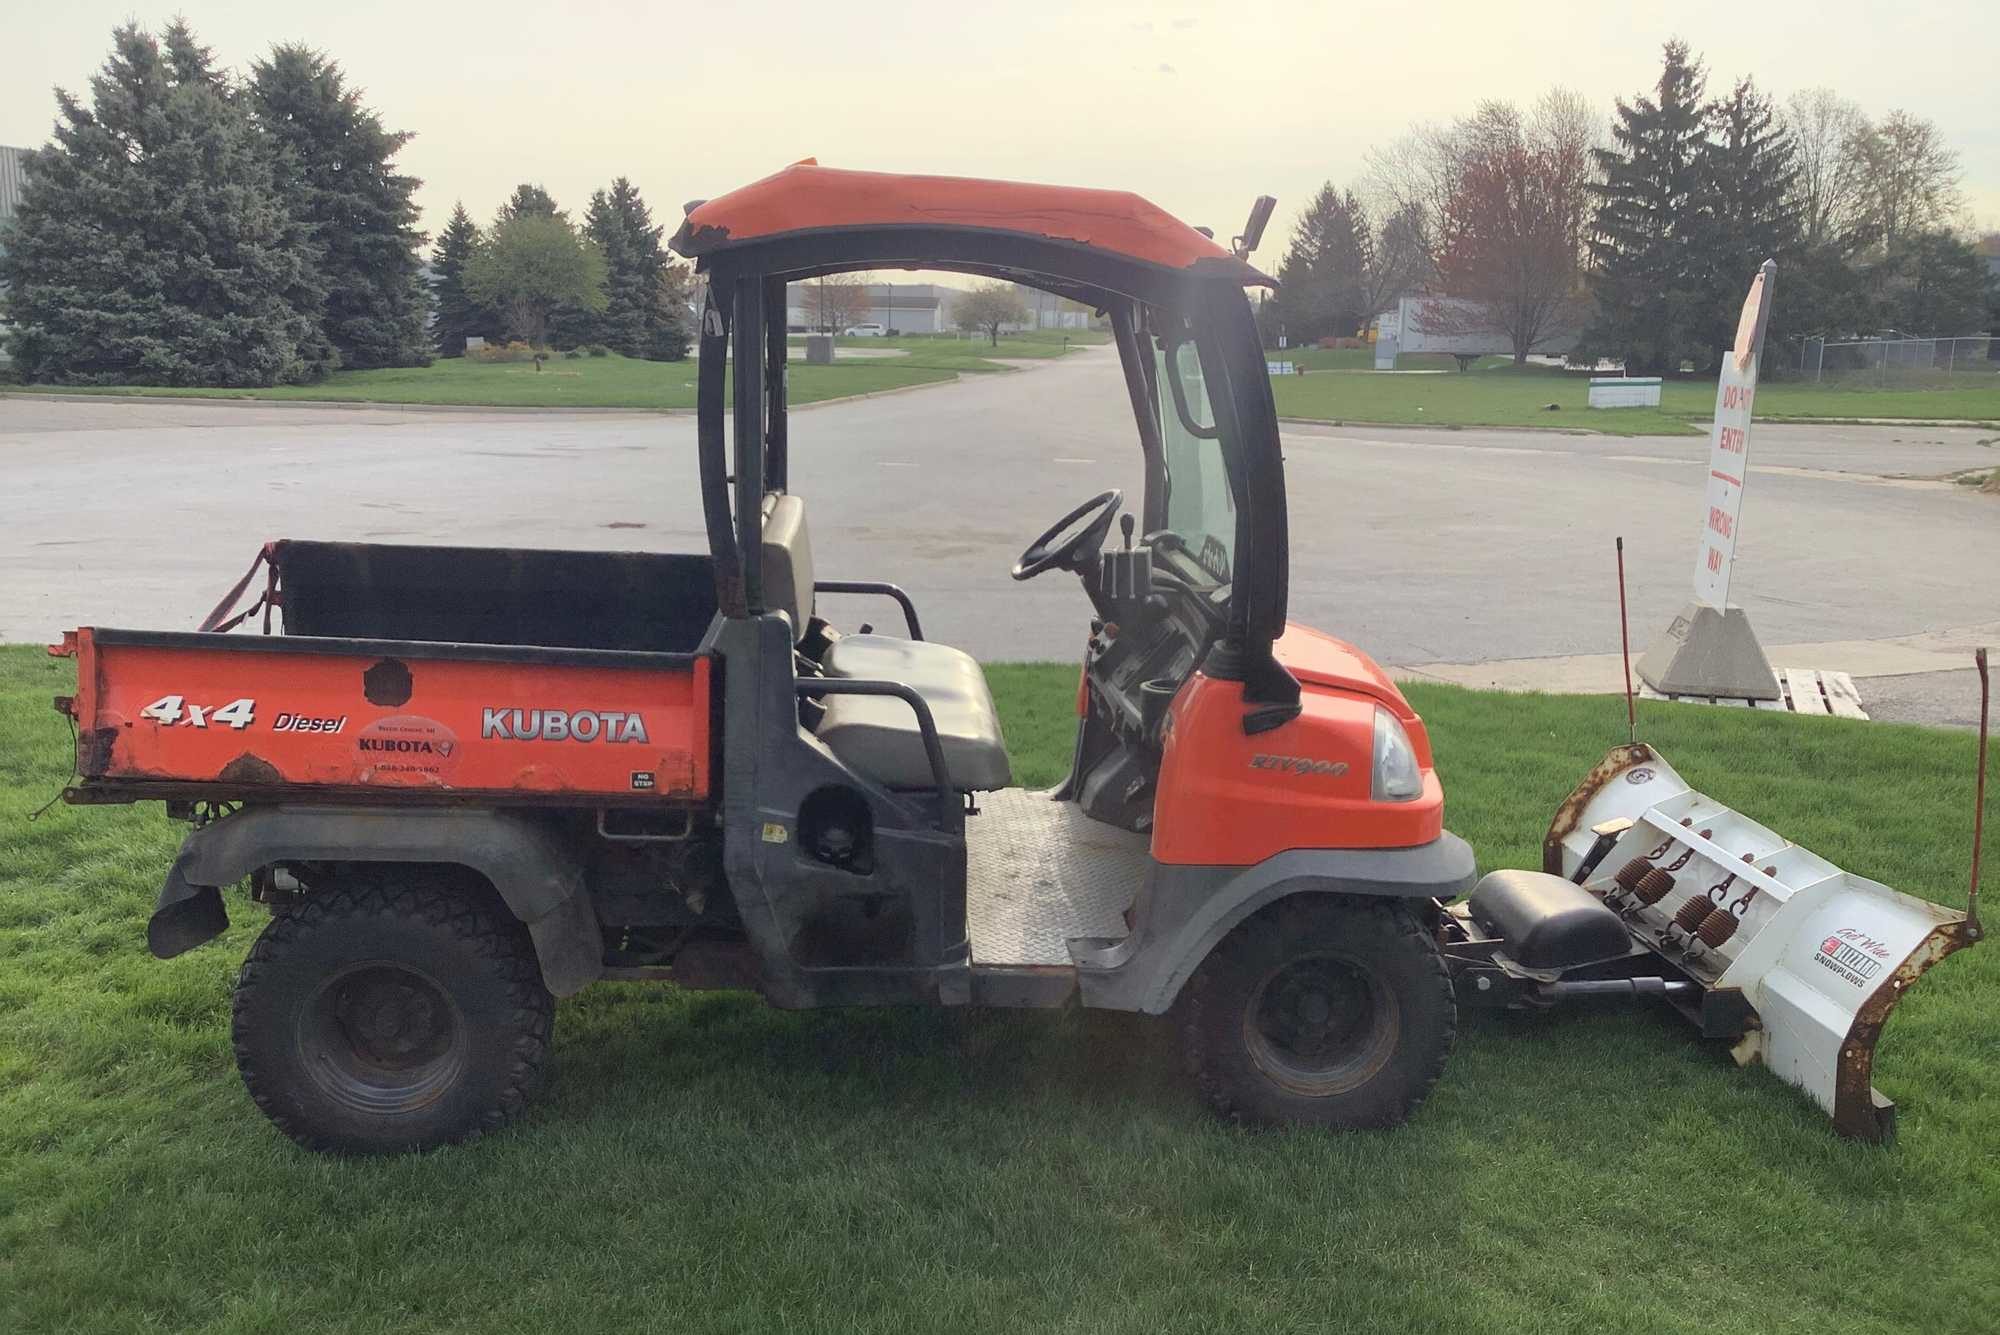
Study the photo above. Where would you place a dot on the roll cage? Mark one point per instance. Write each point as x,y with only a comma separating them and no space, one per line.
744,314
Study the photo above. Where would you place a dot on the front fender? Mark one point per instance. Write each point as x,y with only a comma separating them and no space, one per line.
540,880
1184,912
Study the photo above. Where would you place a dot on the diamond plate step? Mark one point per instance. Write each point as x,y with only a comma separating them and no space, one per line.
1039,872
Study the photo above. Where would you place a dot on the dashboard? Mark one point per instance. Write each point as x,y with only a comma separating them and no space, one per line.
1145,648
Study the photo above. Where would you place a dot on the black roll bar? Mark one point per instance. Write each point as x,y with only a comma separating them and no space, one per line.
877,587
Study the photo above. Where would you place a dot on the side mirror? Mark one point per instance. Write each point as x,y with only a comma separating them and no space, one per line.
1253,229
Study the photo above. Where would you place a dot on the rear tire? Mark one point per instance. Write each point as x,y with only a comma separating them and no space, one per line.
394,1011
1322,1012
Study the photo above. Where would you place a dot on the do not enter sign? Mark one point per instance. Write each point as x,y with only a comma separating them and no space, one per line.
1729,446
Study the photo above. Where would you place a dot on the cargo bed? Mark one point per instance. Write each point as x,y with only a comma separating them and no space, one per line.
611,707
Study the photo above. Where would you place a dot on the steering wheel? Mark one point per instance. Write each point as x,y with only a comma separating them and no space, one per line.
1060,547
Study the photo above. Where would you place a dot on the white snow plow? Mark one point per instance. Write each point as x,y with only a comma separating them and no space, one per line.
1652,888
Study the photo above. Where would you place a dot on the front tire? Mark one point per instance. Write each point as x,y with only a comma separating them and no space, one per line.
393,1011
1322,1012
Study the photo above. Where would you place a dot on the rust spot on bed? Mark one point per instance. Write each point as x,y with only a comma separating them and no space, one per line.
250,768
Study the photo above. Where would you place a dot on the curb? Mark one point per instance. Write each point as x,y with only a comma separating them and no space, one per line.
1451,426
1696,422
1971,422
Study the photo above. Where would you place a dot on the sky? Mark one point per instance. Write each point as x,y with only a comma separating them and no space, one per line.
1200,108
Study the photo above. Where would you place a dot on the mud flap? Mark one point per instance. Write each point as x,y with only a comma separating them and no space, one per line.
185,916
1820,955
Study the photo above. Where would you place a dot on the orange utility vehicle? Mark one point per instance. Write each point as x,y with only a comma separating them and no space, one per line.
466,782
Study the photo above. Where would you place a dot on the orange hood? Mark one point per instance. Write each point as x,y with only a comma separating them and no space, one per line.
1318,659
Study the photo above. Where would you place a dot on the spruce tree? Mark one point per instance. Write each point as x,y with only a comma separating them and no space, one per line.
531,198
1319,280
152,245
455,316
671,328
336,166
1649,275
642,317
1748,214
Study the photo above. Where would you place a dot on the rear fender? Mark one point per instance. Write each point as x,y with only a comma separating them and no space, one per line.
539,879
1184,912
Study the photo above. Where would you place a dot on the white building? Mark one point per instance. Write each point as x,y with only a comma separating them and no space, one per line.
906,308
13,175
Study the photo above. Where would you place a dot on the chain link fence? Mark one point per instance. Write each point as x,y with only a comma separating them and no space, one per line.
1892,361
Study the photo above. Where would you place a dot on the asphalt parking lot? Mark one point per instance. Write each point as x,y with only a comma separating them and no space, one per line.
1430,548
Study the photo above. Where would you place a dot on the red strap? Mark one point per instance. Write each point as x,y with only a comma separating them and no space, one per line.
214,620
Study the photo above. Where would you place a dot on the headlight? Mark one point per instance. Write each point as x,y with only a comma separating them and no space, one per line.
1395,777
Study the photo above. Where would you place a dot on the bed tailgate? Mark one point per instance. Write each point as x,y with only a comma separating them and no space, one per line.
170,714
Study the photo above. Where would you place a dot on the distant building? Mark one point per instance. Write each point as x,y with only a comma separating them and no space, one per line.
13,176
907,308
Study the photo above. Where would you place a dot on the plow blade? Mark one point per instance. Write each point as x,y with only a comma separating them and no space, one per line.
1813,958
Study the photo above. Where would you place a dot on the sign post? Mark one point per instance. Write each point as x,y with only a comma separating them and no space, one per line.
1710,649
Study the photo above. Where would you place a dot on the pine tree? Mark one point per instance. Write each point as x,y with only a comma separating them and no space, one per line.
1649,275
642,317
335,163
455,315
671,328
531,198
1320,278
1932,283
1750,174
152,244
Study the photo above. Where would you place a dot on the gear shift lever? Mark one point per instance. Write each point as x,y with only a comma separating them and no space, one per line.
1125,523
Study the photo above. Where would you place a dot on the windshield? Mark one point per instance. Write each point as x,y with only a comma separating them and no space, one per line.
1201,513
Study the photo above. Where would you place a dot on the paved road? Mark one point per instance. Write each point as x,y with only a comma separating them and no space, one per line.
1425,546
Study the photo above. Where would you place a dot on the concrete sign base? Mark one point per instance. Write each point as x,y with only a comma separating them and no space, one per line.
1706,652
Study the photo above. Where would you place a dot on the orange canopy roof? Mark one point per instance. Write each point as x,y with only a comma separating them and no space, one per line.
807,197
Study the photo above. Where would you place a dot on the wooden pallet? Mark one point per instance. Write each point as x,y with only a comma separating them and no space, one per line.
1805,691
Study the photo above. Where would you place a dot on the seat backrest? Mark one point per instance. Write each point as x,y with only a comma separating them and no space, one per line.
787,561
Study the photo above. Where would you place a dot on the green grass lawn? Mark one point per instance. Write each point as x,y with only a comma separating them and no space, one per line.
949,352
584,382
621,382
704,1163
1506,396
950,348
1363,359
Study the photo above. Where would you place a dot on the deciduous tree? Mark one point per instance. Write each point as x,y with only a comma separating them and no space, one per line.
1829,187
834,301
532,266
989,308
1509,243
1510,239
1910,178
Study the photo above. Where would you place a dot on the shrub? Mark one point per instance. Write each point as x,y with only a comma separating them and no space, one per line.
596,350
516,351
573,354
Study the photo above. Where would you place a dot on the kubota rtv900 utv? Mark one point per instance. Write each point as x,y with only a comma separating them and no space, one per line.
469,781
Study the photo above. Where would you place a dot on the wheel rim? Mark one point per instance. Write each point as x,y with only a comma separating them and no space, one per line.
382,1038
1320,1025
